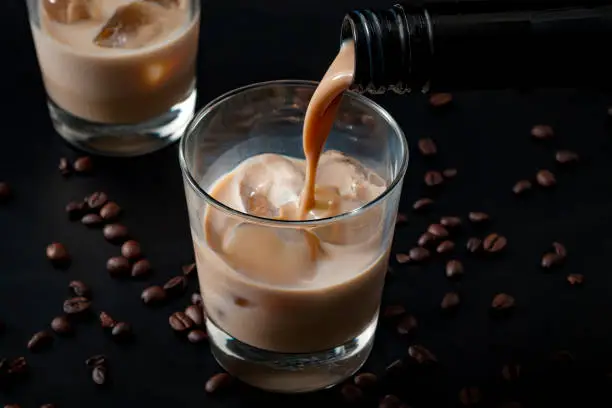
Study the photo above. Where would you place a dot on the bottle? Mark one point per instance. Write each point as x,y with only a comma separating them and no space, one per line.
481,44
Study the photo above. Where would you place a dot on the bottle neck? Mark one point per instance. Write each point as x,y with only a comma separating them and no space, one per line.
476,44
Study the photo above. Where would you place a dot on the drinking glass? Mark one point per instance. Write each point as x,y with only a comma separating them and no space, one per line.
285,338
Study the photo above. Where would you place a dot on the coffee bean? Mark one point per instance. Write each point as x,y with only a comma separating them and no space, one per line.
218,382
437,230
106,321
153,295
195,313
176,286
450,222
110,211
97,200
440,99
122,331
400,218
560,249
473,244
433,178
546,178
450,301
575,279
64,167
40,341
427,147
566,157
83,164
469,396
76,305
425,239
521,187
365,380
96,360
190,270
48,406
421,354
196,299
542,132
389,401
117,266
141,268
454,268
131,250
61,325
197,336
58,254
393,311
18,367
549,260
478,216
402,258
511,372
92,220
5,192
75,210
445,246
418,254
116,233
12,406
503,302
494,243
98,375
79,288
422,204
449,173
351,394
407,324
180,322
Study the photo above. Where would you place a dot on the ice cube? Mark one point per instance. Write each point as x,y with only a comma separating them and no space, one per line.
272,255
132,26
337,169
71,11
167,3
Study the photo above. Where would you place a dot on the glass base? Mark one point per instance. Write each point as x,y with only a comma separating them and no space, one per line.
124,140
286,372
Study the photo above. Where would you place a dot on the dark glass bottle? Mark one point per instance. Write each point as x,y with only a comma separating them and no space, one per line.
481,44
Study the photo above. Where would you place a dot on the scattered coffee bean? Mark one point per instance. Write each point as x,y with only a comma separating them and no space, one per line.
473,244
393,311
566,157
440,99
445,246
427,147
400,218
406,324
218,382
106,321
141,268
18,366
450,301
351,393
365,380
75,210
542,132
83,165
131,250
511,372
469,396
48,406
478,216
110,211
12,406
425,239
437,230
196,299
195,313
390,401
64,167
422,204
61,325
117,266
546,178
433,178
449,173
58,254
122,331
418,254
79,288
402,258
421,354
450,221
502,303
560,249
76,305
521,187
40,341
92,220
97,200
176,286
5,192
197,336
454,268
180,322
550,259
190,270
494,243
96,360
98,375
575,279
116,233
153,295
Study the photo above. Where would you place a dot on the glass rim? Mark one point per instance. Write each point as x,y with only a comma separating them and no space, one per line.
201,114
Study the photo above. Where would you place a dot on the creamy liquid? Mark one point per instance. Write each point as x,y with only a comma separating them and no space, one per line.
113,84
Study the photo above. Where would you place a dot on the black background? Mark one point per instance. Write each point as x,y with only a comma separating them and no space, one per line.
484,135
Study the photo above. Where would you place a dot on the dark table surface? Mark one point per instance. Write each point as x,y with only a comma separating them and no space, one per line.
486,136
